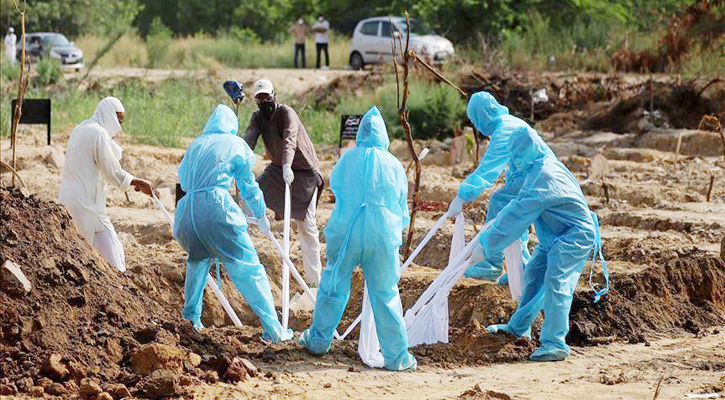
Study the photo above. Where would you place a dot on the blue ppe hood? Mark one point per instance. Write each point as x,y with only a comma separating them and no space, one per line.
525,147
485,112
222,121
372,131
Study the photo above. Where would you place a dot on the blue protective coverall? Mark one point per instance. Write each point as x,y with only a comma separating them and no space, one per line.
209,224
551,198
365,228
493,120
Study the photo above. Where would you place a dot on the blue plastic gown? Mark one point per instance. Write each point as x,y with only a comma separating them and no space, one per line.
549,197
209,224
365,228
493,120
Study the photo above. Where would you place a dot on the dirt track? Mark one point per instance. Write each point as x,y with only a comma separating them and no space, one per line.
661,238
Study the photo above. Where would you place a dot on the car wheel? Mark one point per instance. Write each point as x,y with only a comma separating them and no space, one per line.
356,61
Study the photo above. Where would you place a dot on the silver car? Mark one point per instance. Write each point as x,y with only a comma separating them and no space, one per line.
372,39
53,45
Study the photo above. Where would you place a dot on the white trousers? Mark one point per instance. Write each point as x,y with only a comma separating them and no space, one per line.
309,238
107,243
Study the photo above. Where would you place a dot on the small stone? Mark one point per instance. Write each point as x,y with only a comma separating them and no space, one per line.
105,396
185,380
25,384
269,355
44,382
89,388
37,391
54,368
353,369
114,350
161,383
57,389
55,157
251,368
13,280
211,377
155,356
118,390
76,369
235,372
8,390
327,385
194,359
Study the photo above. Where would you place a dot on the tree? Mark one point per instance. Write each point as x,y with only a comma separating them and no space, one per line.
73,17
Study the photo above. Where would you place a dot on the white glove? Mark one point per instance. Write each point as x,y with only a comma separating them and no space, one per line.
263,225
456,207
287,174
477,255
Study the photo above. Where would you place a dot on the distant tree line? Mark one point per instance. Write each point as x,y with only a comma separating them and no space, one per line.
460,20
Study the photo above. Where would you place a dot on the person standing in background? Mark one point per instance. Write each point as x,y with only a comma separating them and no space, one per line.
11,45
299,31
322,38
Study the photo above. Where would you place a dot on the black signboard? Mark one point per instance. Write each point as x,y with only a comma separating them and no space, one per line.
35,111
348,127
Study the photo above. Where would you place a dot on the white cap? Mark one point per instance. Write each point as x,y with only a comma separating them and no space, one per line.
263,86
11,29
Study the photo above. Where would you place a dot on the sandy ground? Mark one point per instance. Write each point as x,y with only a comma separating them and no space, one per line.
654,209
612,372
290,82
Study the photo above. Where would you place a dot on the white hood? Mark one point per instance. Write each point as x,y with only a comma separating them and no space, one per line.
105,115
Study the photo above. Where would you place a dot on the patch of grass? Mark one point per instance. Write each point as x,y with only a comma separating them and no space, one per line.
8,71
162,113
234,50
435,109
158,42
48,71
156,114
129,51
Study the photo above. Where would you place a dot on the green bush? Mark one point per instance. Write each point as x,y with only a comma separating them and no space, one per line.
158,42
49,71
10,72
435,111
435,108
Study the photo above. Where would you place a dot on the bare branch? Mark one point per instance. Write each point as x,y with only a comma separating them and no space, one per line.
437,74
409,138
22,86
395,63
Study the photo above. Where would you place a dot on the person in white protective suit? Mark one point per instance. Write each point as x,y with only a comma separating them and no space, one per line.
92,160
11,45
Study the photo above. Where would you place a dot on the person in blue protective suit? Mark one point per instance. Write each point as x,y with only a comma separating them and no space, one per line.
365,228
551,198
210,225
493,120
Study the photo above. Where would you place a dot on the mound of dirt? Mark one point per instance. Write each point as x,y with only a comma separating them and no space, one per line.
683,294
479,394
683,107
73,324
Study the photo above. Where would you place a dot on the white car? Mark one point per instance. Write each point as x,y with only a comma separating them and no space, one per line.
372,41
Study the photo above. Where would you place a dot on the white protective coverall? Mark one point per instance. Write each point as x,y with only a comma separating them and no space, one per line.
11,48
92,159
